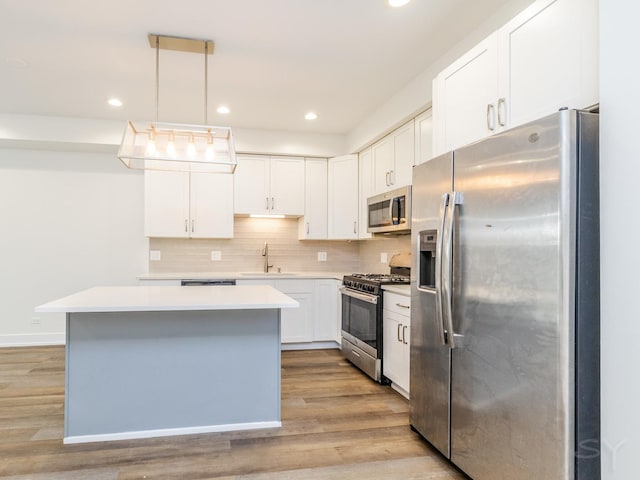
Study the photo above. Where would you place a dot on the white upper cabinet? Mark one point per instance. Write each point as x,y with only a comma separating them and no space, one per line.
548,60
393,159
544,59
313,225
183,205
465,97
403,155
423,137
269,185
367,189
343,198
287,185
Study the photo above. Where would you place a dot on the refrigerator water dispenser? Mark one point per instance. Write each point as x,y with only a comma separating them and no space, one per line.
427,267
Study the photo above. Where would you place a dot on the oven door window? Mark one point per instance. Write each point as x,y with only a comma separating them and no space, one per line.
359,319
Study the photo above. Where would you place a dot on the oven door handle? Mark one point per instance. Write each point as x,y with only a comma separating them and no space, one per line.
360,296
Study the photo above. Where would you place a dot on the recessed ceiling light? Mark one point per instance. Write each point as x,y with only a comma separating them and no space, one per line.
16,62
115,102
311,116
397,3
223,110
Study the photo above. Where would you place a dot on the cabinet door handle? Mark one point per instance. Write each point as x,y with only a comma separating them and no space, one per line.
398,332
193,226
502,109
402,306
186,225
307,228
392,177
355,227
266,203
273,203
404,334
491,117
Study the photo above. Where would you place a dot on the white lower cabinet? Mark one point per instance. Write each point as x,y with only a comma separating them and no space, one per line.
396,320
316,320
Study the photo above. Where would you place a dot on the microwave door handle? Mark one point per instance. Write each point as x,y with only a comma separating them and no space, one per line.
391,209
438,279
455,199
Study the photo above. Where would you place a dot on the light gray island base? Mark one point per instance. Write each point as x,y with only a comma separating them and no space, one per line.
148,374
168,360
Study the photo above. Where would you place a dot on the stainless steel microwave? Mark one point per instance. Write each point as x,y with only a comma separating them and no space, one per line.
390,212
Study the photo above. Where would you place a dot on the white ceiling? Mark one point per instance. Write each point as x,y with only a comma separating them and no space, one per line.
274,59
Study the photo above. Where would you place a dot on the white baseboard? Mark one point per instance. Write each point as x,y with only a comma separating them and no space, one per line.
309,346
169,432
32,339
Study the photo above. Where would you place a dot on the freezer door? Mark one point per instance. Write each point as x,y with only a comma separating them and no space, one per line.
512,388
430,360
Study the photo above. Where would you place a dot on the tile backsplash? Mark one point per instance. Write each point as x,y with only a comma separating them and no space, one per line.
243,253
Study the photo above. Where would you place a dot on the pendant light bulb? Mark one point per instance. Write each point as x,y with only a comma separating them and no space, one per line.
191,147
171,145
151,144
210,153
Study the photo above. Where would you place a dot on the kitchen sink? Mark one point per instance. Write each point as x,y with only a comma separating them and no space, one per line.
270,274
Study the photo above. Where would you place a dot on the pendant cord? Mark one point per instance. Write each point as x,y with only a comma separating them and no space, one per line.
206,79
157,75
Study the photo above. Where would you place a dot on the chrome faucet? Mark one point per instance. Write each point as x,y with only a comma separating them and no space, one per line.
265,254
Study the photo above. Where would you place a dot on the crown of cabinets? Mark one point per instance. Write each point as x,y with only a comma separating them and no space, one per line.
544,59
188,205
269,185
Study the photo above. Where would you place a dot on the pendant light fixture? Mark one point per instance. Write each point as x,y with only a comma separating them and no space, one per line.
175,146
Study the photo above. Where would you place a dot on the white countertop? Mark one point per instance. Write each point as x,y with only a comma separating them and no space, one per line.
238,275
169,298
399,289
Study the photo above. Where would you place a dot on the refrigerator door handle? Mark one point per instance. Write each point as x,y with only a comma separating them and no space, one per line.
452,339
438,279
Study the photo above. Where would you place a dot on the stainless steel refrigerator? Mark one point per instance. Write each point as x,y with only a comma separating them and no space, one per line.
505,302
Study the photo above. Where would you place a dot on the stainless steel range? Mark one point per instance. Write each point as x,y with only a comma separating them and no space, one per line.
362,318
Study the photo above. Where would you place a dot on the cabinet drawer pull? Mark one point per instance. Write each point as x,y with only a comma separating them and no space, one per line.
398,333
501,109
402,306
491,117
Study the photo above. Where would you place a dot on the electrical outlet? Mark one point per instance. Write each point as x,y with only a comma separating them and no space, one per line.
216,255
35,320
383,257
322,256
154,255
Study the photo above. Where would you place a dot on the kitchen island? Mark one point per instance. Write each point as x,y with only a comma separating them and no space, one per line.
157,361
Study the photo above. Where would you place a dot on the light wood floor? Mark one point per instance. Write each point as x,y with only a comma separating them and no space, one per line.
337,424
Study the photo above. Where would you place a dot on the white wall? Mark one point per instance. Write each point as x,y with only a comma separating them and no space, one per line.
61,133
70,220
620,237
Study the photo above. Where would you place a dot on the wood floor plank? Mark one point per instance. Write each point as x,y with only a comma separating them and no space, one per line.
336,424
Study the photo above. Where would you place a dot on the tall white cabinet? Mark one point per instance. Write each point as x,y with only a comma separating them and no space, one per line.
343,198
544,59
188,205
313,225
267,185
